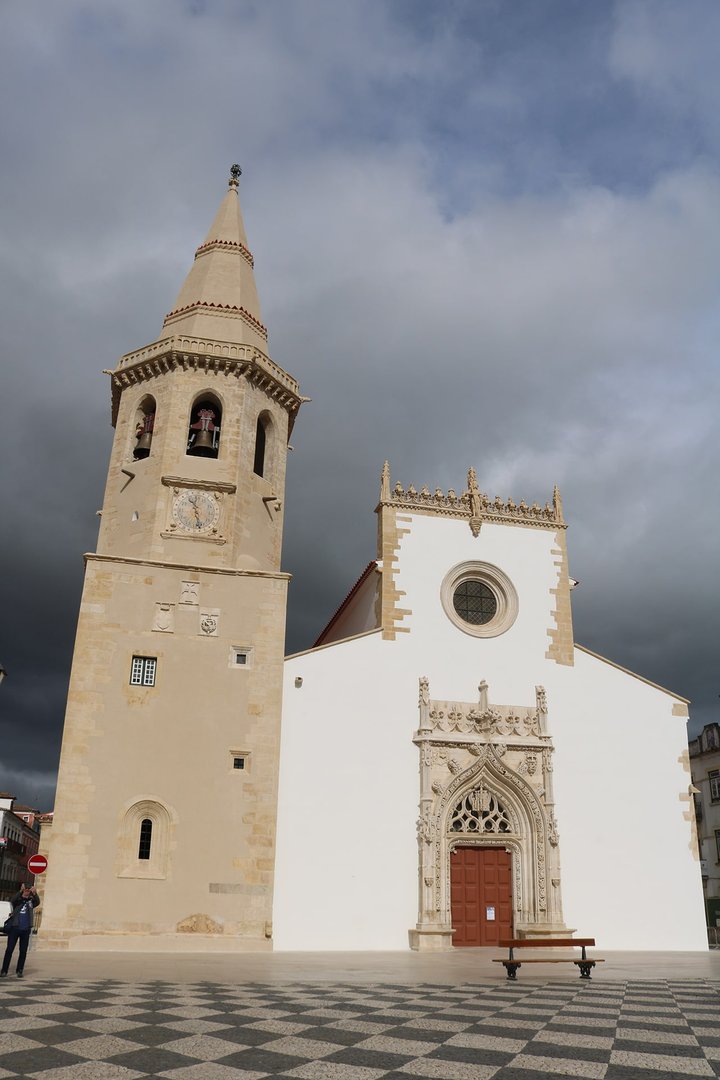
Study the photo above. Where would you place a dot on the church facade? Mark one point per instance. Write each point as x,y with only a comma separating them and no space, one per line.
455,769
445,767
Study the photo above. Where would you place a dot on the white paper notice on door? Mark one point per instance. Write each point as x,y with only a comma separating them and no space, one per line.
490,914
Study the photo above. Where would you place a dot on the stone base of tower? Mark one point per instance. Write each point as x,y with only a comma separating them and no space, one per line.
150,943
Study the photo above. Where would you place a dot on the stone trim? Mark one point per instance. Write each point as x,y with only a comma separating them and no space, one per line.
389,540
332,644
472,505
218,309
92,556
640,678
226,245
203,485
561,634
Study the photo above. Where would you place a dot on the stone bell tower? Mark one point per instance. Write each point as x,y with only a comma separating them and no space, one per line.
167,792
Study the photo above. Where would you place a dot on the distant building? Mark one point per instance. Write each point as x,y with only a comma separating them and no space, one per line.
19,839
705,769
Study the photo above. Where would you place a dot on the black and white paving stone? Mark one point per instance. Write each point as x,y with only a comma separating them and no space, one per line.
64,1029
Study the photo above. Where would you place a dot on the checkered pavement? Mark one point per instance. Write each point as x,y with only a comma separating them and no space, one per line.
108,1030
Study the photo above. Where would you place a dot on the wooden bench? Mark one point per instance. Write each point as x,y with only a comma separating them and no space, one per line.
511,964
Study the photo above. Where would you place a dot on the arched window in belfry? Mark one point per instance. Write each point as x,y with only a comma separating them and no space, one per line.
145,843
479,811
205,425
144,428
260,445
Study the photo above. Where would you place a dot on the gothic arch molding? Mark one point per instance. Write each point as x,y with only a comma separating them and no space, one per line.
526,838
486,781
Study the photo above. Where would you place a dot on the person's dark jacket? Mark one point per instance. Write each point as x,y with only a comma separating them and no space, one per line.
17,902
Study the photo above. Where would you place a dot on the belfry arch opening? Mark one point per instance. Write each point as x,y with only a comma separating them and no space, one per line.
263,445
205,427
144,428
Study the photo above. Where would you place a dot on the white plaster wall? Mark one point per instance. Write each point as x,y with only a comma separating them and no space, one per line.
631,876
346,870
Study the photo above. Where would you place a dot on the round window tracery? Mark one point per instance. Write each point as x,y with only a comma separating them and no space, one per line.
479,599
475,602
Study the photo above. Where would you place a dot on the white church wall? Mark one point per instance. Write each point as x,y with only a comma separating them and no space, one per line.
346,867
346,871
630,872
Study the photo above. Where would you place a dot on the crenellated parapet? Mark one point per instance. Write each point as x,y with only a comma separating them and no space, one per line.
472,504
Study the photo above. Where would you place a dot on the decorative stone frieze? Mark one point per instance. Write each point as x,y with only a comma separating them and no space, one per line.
180,353
486,780
473,505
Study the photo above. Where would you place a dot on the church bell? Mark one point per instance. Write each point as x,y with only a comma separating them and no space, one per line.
203,444
205,431
144,433
142,450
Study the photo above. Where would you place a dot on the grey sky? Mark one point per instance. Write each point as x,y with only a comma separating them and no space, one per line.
485,231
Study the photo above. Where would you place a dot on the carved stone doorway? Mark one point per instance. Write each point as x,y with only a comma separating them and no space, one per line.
486,782
481,895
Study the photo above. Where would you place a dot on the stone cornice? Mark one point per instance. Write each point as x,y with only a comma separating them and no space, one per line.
278,575
184,353
203,485
226,245
473,505
218,309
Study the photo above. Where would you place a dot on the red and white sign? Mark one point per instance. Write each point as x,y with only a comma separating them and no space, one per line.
37,864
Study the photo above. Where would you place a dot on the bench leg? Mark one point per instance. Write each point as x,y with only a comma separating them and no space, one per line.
511,967
586,967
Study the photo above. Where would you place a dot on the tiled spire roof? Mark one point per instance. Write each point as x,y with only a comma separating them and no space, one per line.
219,298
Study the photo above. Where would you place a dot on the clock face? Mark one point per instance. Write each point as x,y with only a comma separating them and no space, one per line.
196,511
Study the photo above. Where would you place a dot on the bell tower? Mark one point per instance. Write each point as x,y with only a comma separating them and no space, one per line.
167,791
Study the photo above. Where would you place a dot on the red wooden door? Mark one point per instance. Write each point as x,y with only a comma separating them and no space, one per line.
480,895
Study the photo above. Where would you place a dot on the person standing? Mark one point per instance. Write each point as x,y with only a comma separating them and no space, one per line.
19,927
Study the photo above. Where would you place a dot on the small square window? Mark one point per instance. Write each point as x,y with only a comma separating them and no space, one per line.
240,656
239,761
142,671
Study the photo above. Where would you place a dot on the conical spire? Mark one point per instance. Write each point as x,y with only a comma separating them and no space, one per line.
219,300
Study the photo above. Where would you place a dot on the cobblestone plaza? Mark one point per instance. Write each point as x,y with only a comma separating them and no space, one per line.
323,1017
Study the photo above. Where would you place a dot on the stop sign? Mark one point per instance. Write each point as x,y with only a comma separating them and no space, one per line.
37,864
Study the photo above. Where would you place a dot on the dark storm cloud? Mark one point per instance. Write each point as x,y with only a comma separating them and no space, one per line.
484,233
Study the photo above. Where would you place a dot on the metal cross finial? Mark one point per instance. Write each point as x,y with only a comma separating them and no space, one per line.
235,174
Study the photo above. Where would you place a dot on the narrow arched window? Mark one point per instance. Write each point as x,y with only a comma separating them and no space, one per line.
144,428
260,440
145,838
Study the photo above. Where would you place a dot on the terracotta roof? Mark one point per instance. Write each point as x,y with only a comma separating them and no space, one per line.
360,581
